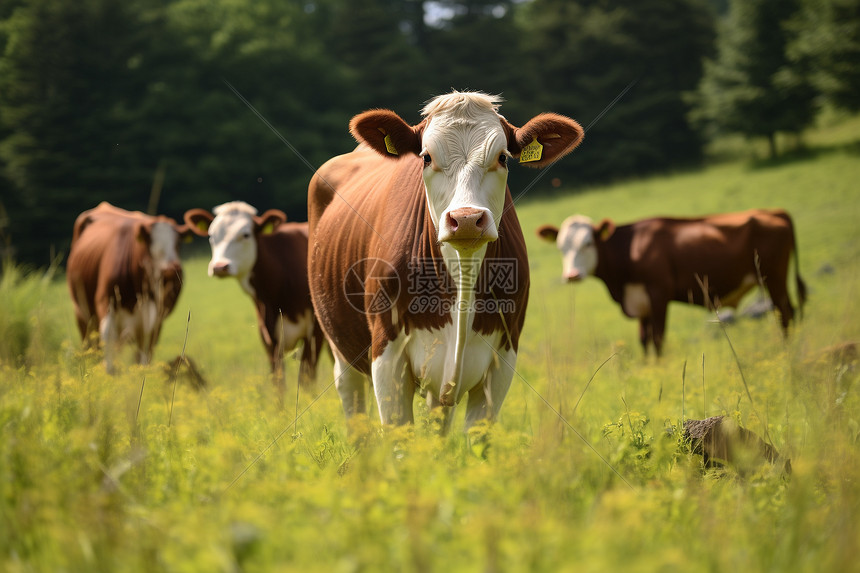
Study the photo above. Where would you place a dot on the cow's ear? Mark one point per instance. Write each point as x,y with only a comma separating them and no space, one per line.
548,233
544,139
144,231
186,232
82,222
198,221
269,221
387,133
605,229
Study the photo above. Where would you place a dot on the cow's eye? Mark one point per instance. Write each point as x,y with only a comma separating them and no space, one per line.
427,159
246,235
503,159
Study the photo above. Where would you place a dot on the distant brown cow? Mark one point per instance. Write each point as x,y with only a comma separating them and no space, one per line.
268,256
124,276
708,261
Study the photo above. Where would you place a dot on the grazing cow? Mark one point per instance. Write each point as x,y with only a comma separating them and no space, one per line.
418,266
124,276
708,261
269,259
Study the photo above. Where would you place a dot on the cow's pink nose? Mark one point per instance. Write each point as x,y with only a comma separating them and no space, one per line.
221,269
467,222
572,276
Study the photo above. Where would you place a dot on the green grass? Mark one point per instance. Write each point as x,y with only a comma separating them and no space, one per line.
128,473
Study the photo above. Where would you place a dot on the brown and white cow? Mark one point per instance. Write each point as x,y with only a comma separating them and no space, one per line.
418,266
124,276
709,261
269,258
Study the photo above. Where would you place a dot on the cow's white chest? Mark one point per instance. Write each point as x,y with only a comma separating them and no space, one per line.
427,352
636,303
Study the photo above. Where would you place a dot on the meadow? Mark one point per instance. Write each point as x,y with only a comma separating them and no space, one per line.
584,470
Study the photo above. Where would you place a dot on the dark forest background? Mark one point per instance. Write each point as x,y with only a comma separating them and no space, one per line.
106,100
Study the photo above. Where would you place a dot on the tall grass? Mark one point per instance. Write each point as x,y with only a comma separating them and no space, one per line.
30,313
582,472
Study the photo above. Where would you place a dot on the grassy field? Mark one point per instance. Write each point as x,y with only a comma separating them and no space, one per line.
132,473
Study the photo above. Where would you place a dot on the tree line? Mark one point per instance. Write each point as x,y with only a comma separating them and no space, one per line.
172,104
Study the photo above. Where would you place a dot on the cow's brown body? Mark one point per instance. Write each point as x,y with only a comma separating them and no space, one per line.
398,237
118,288
708,261
409,235
280,282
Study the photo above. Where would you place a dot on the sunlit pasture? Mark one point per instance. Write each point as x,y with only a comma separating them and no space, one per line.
584,470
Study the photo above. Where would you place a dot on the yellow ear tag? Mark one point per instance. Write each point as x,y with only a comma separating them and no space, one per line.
203,225
389,145
267,228
187,239
531,152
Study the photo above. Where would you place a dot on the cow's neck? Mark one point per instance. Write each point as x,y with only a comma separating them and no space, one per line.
246,281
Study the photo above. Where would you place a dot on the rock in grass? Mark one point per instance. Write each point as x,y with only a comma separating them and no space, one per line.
843,354
759,309
756,310
721,441
184,367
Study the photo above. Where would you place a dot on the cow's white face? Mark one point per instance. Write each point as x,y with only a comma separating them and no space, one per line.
578,251
234,244
465,145
465,172
164,246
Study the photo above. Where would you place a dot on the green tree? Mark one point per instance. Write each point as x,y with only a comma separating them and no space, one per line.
64,75
378,42
827,42
752,87
96,97
589,52
215,146
473,47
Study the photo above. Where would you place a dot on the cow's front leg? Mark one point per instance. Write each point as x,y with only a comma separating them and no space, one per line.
445,412
109,331
146,322
271,338
350,384
485,399
659,309
393,383
645,330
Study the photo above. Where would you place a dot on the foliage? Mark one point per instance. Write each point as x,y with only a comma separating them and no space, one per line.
99,99
94,112
63,62
132,473
27,323
591,53
129,102
752,87
827,42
